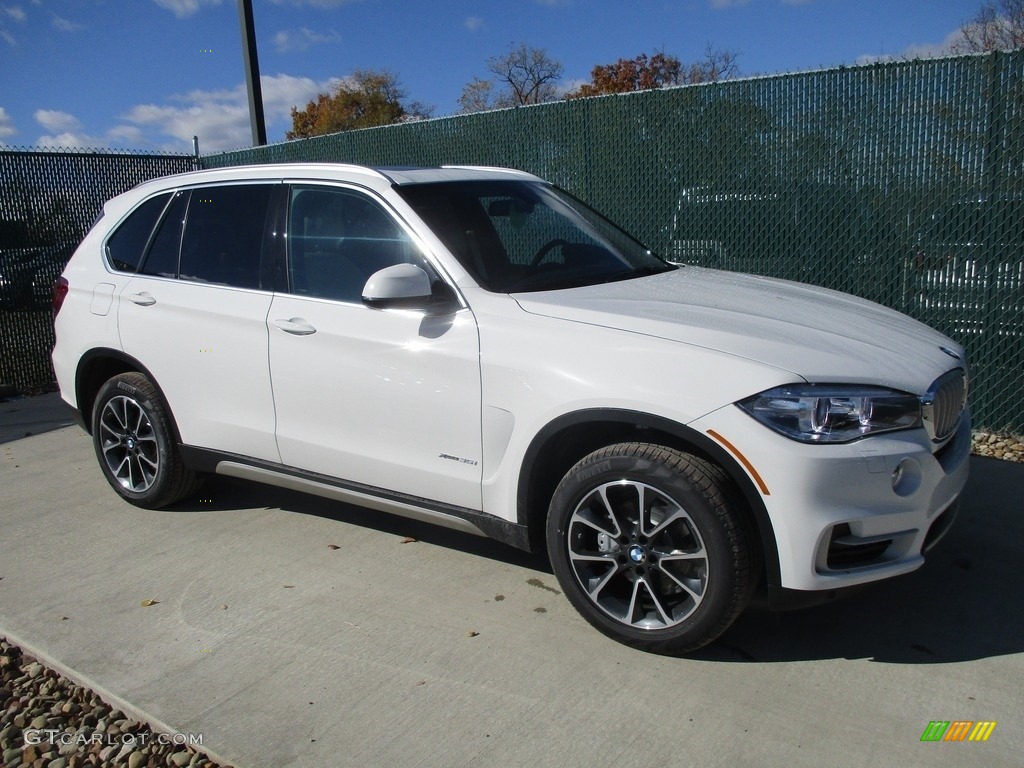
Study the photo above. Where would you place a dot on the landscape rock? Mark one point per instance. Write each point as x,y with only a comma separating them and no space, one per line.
77,729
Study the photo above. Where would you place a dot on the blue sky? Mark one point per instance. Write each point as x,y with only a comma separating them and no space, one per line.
150,74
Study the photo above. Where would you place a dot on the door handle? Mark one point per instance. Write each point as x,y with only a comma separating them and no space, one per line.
144,299
295,326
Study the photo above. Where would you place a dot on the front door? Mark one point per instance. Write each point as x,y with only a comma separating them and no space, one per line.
385,398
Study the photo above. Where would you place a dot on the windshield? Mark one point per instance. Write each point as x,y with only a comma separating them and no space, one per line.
516,236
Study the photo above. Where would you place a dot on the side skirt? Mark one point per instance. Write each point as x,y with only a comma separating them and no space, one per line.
413,507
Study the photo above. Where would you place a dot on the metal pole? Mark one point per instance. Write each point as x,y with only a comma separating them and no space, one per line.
252,73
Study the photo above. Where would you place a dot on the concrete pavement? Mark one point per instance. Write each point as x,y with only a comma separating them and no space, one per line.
26,416
292,631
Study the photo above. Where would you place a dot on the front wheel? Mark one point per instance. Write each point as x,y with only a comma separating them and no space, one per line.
650,546
131,431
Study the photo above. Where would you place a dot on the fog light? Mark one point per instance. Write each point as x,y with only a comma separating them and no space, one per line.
906,478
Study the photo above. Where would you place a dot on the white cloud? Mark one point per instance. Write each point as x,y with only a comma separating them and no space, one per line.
126,135
221,118
63,130
65,25
316,3
72,140
14,12
953,38
719,5
8,38
184,8
220,128
917,50
473,23
55,120
282,92
7,128
302,39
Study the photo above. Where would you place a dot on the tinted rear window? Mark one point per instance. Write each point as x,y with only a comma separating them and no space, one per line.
223,237
128,243
162,259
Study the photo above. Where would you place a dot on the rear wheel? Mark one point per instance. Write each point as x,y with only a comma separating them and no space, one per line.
650,546
135,444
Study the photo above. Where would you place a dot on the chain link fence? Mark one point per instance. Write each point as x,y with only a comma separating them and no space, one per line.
901,182
48,200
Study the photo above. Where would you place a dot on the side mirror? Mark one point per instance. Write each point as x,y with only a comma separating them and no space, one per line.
400,285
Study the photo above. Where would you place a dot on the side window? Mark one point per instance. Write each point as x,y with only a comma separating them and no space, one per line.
128,243
337,239
223,236
162,259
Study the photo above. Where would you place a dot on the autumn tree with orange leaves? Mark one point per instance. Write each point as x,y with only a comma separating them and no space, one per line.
645,72
365,99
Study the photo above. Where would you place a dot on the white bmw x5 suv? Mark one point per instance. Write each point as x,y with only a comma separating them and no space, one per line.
475,347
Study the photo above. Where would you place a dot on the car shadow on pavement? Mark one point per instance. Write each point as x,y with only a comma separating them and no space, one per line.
22,416
224,493
963,604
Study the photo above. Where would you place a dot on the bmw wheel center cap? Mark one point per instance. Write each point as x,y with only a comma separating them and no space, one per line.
637,554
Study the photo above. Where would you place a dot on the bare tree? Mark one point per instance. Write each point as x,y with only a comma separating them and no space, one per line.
522,75
716,65
998,26
477,96
531,75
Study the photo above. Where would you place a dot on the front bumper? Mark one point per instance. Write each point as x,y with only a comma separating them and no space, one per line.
848,514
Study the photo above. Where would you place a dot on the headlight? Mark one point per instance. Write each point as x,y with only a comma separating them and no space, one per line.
833,413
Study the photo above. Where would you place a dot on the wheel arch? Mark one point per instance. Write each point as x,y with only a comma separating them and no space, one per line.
570,437
96,367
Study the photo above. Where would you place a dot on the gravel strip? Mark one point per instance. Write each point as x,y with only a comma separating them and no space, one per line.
46,721
1005,447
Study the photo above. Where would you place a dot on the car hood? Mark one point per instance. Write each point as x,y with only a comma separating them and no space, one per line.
817,334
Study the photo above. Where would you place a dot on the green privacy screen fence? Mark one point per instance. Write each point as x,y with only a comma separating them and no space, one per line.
902,182
47,202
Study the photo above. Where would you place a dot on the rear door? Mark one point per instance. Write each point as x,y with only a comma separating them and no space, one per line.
195,316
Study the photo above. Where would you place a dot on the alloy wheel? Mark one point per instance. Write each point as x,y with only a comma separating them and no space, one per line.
638,555
129,445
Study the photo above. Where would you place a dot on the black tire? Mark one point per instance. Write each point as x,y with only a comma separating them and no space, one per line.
669,580
134,442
